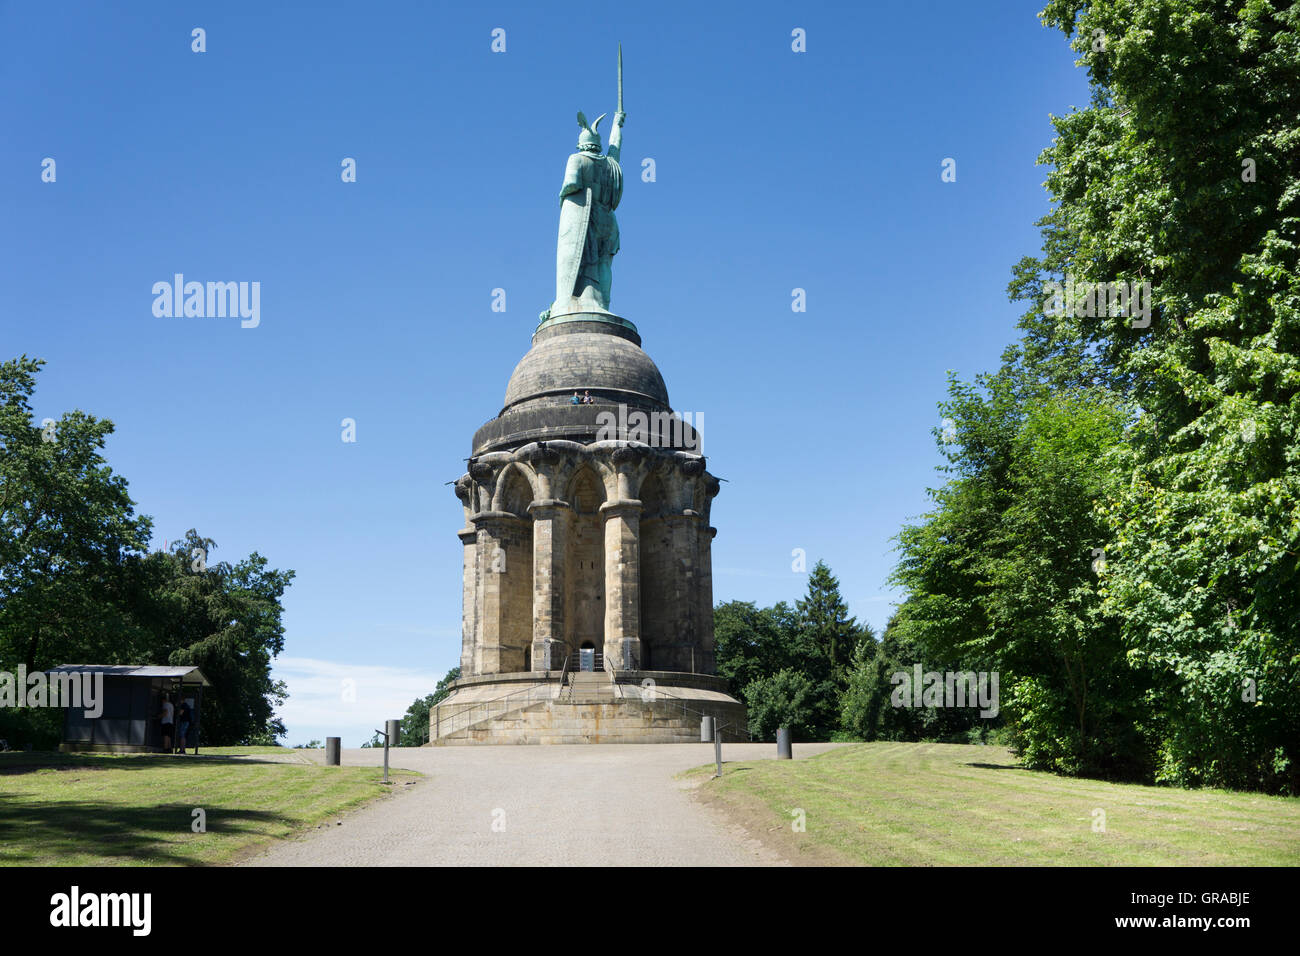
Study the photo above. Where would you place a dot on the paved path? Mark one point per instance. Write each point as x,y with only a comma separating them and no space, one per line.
594,805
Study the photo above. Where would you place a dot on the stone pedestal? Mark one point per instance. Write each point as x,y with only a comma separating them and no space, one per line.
580,534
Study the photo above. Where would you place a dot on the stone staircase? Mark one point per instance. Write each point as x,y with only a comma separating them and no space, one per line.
590,687
591,708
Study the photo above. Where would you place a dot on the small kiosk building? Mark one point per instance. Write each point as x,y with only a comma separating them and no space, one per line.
128,722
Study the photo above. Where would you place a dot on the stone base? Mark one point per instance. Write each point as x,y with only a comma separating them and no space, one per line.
595,710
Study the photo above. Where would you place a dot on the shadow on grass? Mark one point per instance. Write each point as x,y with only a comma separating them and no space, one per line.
24,762
54,832
996,766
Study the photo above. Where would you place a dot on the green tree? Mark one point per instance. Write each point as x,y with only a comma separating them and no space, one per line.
76,585
826,634
415,724
1003,573
784,699
1164,450
226,620
68,534
816,640
1190,184
752,642
868,710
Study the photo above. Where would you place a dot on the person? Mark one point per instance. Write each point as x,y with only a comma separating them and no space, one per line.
184,715
575,400
587,399
165,723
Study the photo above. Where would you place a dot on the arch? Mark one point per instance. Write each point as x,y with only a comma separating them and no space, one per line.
605,473
586,491
653,495
584,562
659,564
516,488
508,602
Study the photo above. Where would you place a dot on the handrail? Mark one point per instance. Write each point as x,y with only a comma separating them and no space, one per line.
453,723
718,725
564,671
528,692
467,714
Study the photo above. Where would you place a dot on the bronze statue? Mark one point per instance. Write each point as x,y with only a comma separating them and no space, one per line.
588,241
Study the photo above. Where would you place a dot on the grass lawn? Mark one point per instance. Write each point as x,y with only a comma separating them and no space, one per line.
137,809
895,804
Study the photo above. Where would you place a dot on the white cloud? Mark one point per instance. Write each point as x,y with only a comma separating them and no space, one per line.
317,706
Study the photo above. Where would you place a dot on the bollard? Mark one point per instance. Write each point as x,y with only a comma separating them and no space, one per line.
394,730
783,748
332,751
706,730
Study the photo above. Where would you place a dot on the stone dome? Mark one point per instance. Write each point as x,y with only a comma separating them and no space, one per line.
583,352
586,356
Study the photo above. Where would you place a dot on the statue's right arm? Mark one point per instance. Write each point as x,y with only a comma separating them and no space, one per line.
616,137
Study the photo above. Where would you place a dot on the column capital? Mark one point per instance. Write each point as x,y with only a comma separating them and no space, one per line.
687,514
488,518
547,507
621,507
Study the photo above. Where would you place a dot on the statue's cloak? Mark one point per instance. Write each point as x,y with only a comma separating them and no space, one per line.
593,186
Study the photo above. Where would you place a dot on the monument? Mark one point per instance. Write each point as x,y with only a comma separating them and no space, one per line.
587,586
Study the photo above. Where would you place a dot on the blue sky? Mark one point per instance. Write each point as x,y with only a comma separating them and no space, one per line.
775,170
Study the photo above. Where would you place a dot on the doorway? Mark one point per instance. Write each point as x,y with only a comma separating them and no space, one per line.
587,657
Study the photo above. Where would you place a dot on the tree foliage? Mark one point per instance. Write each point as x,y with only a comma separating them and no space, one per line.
1173,448
790,663
77,585
415,723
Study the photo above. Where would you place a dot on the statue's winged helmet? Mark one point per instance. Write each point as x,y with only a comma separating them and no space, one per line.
589,138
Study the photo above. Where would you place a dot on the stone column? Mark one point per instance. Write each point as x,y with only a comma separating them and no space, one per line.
623,582
469,615
550,517
495,532
706,662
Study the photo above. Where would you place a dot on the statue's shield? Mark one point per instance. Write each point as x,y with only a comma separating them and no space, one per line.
575,219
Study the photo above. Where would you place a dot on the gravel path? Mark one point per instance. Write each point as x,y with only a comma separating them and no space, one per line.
594,805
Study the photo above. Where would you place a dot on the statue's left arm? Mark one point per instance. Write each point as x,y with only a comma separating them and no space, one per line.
616,136
572,176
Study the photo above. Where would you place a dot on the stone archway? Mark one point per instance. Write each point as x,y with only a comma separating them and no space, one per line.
584,563
657,558
512,567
